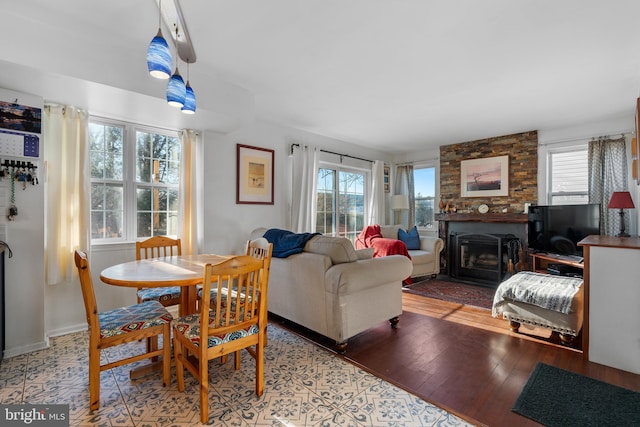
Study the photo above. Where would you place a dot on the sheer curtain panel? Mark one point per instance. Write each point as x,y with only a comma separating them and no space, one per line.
376,202
189,192
67,189
304,185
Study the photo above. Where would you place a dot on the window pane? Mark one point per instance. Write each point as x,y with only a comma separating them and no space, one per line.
144,224
144,199
351,196
569,171
157,211
106,151
325,201
106,211
151,201
157,158
568,176
424,193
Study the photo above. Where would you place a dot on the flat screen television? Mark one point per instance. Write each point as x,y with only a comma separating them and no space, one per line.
558,229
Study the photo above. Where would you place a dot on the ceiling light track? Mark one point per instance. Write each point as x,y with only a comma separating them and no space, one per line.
159,60
173,18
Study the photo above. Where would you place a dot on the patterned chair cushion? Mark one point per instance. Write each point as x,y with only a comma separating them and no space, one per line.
169,295
189,326
135,317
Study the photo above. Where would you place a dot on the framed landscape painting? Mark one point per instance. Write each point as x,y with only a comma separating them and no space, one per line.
254,175
484,177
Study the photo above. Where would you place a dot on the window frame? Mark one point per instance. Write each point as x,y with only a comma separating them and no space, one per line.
129,184
433,225
366,190
559,149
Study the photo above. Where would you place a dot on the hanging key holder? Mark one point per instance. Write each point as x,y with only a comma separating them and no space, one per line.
21,171
13,209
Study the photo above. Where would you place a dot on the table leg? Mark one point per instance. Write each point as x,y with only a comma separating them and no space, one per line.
187,300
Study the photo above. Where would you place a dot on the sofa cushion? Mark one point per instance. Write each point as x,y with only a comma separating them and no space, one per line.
339,249
411,238
390,231
366,253
422,257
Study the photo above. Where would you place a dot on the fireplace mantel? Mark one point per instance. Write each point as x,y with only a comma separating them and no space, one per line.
478,217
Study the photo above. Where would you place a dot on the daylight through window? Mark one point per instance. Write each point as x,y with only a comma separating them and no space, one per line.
134,181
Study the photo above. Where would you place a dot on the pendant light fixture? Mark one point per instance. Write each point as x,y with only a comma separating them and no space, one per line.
176,89
158,54
190,97
160,61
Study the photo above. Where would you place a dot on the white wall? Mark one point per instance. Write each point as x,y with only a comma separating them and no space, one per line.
36,311
227,225
24,276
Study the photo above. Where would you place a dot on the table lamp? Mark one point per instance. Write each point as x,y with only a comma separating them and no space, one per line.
621,200
399,202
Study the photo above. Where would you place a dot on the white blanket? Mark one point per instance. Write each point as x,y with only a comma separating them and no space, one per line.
544,290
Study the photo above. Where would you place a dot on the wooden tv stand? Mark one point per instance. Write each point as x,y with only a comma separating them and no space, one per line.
541,261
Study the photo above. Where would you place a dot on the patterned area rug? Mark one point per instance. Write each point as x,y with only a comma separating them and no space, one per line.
305,385
478,296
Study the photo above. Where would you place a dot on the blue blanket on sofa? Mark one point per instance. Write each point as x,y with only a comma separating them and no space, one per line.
287,242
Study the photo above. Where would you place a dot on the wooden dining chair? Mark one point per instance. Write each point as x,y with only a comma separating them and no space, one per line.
258,248
156,247
236,320
147,320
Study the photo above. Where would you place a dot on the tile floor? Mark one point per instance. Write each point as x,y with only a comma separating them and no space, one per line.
304,386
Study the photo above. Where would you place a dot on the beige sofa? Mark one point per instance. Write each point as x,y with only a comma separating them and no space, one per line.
335,290
426,260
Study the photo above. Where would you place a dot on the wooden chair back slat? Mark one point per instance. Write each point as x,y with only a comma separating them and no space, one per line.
157,247
239,284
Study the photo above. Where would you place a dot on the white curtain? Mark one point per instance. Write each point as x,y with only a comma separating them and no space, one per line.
189,172
304,184
67,189
376,202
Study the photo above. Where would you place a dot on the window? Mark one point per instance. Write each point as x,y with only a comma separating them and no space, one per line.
134,181
568,176
340,202
424,185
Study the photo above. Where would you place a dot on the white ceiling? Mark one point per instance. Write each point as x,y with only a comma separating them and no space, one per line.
394,75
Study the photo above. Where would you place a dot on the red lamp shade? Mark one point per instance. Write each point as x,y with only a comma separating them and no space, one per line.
621,200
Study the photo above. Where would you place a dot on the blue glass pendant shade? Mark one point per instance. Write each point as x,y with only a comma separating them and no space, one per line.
176,90
159,57
189,101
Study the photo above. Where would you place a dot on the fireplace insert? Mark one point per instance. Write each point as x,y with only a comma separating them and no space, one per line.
481,258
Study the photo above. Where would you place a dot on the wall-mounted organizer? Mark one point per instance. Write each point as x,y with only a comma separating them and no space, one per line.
21,173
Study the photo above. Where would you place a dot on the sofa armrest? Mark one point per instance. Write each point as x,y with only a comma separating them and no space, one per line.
431,244
367,273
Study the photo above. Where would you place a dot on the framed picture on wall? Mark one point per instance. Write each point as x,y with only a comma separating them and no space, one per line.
386,179
254,175
485,177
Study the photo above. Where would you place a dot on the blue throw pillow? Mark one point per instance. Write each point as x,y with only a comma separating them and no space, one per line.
411,239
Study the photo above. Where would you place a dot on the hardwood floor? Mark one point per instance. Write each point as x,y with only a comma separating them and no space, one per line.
460,358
